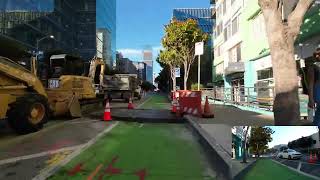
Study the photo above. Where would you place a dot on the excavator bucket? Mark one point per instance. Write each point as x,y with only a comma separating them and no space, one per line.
75,108
4,105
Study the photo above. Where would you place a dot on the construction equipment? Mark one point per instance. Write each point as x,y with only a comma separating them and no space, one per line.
27,103
121,86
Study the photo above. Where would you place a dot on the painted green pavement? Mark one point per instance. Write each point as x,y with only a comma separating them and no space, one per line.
157,102
266,169
164,151
142,151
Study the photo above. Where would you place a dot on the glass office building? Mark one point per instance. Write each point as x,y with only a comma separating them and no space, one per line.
202,15
106,30
73,23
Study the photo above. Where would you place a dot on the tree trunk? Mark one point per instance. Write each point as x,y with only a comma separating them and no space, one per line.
281,38
244,153
173,78
185,76
286,103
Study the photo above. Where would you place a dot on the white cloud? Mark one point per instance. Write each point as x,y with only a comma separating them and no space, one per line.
130,52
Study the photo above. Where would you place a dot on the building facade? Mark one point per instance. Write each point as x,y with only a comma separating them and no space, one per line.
73,23
148,60
238,137
228,61
242,53
141,70
126,66
206,22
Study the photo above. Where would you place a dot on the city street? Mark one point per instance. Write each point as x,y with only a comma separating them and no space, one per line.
302,165
162,150
23,157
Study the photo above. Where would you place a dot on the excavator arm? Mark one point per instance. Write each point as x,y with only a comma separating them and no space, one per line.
14,75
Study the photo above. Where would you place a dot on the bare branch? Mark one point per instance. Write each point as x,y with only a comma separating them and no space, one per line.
295,19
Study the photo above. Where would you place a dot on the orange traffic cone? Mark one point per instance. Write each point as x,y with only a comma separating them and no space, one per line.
207,111
315,159
174,106
130,105
107,113
310,159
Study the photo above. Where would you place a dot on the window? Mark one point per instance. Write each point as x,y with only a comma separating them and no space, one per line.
224,7
217,51
258,27
235,25
265,74
229,31
219,29
235,53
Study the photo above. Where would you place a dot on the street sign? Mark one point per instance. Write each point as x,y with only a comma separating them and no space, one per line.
177,72
199,48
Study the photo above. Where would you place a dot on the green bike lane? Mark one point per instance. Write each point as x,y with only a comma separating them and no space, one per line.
265,169
142,151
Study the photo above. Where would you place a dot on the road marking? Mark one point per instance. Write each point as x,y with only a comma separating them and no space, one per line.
299,166
80,122
293,169
45,173
46,153
144,102
94,173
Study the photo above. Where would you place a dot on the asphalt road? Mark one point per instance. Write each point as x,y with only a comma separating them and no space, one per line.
24,156
302,165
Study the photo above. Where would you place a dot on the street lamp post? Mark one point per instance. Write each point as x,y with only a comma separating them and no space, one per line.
39,40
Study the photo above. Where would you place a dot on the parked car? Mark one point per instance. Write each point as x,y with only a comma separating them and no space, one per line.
290,154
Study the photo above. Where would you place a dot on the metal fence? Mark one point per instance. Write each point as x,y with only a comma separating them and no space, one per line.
259,97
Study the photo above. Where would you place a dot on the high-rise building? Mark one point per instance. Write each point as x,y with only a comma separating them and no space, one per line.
126,66
141,68
148,59
86,27
206,23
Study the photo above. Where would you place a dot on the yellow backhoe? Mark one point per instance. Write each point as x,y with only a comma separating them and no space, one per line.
27,104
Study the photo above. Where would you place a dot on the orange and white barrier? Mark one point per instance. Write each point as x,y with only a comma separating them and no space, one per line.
190,102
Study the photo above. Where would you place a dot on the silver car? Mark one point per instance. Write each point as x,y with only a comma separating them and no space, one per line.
290,154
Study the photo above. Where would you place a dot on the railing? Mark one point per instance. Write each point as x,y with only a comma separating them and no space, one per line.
258,97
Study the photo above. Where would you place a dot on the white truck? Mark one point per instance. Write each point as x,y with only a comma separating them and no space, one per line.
121,86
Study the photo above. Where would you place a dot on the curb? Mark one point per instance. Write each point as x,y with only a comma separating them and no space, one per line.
52,170
220,160
300,172
242,173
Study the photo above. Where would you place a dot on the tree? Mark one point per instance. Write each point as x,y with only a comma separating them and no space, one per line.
147,86
170,58
281,37
180,37
259,139
244,144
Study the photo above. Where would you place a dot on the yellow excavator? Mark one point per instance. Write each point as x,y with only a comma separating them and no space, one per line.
27,103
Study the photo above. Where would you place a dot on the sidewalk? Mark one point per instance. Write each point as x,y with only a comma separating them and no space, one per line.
233,116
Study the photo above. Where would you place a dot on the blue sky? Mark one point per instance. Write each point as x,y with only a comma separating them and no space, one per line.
284,134
140,23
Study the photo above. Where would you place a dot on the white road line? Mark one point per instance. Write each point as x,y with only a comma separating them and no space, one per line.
308,175
51,170
79,122
46,153
299,166
144,102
